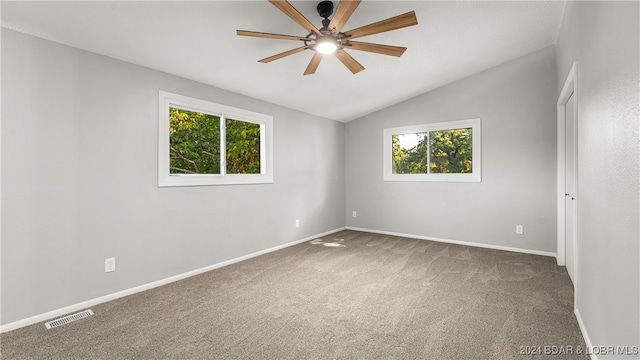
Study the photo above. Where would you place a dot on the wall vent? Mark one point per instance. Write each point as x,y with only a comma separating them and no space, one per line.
68,319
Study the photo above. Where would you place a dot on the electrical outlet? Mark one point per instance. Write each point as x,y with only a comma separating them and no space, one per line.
109,265
519,229
354,214
297,223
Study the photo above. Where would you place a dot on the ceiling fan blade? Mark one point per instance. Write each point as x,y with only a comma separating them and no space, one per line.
343,13
313,64
375,48
283,54
393,23
269,35
295,15
349,61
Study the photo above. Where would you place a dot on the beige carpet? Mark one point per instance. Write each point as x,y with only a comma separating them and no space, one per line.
366,296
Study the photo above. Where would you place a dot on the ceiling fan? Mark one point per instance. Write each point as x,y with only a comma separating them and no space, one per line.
330,38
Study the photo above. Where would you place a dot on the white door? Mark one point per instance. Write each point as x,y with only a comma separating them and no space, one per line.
570,186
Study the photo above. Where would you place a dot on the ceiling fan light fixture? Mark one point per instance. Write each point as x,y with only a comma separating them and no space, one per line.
326,45
329,39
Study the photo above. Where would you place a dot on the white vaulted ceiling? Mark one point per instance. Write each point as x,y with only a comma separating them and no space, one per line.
197,40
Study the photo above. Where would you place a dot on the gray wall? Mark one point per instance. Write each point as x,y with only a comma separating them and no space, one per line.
603,38
79,160
516,102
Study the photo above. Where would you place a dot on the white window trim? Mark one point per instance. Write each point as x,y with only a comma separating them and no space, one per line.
475,176
165,178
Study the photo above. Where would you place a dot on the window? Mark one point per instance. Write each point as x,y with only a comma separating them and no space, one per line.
448,151
203,143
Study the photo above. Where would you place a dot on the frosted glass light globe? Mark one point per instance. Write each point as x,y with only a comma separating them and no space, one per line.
326,46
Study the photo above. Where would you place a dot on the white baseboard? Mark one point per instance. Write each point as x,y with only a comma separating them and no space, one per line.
457,242
85,304
585,335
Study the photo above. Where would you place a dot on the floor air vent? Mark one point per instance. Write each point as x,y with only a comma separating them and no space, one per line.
68,319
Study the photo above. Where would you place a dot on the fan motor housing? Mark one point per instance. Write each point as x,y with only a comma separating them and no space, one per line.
325,8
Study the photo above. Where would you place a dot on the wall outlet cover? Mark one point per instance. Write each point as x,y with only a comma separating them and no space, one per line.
109,264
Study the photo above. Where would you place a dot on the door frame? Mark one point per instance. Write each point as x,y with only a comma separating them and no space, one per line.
570,87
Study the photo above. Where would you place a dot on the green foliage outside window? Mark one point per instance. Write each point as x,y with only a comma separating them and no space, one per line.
194,139
414,160
243,147
451,151
444,151
194,142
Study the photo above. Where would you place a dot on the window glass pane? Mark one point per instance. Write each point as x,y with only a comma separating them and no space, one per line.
410,153
451,151
243,147
194,142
